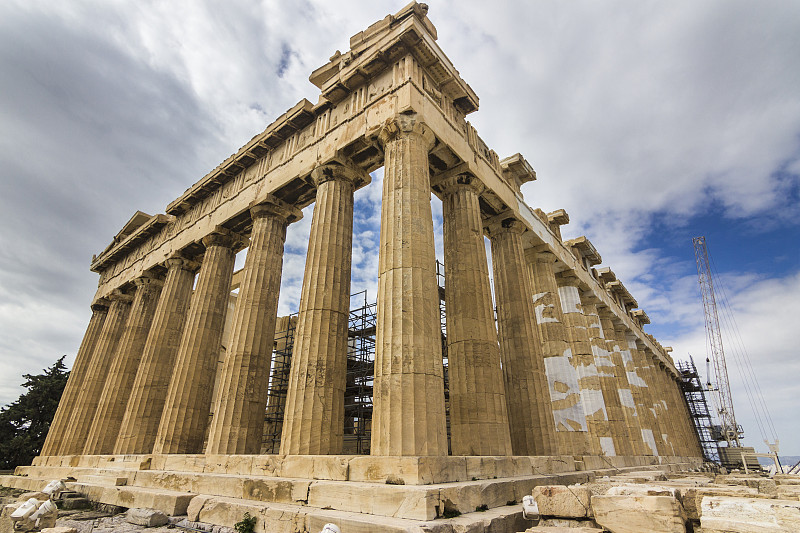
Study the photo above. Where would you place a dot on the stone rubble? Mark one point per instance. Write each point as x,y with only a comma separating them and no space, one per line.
672,503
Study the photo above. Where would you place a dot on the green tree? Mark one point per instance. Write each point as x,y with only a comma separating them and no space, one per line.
24,423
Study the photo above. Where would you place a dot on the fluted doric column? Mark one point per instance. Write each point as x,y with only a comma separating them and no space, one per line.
634,444
478,413
96,373
649,368
408,415
530,418
146,403
560,362
642,387
60,425
185,418
313,422
583,358
238,423
122,373
637,386
617,426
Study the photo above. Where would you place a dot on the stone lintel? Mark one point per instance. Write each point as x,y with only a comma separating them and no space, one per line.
517,171
558,217
617,287
606,275
586,249
640,316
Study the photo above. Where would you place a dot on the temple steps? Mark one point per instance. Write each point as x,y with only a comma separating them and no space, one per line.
283,503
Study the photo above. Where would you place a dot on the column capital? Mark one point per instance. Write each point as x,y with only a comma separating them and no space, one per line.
148,279
119,296
338,171
275,207
504,223
454,182
540,254
100,305
224,237
177,260
405,125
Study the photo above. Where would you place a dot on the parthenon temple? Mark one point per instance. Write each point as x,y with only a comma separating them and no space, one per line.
188,385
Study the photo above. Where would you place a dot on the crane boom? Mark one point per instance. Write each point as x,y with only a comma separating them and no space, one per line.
730,431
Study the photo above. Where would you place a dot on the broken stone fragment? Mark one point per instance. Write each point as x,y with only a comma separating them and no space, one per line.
563,501
722,514
146,517
634,514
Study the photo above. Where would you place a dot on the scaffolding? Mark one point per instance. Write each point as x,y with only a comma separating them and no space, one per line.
278,382
360,373
694,392
443,323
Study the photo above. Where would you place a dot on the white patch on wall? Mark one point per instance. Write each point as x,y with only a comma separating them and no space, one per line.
664,403
593,402
626,355
631,342
540,307
601,356
626,399
635,380
560,369
570,299
587,371
607,445
650,440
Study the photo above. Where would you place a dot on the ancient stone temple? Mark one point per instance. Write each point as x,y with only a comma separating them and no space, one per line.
552,377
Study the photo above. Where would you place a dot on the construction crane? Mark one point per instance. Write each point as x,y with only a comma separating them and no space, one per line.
728,430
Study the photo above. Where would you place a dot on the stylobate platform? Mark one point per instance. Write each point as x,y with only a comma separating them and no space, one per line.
302,493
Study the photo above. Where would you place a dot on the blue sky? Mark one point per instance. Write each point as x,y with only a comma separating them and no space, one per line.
649,122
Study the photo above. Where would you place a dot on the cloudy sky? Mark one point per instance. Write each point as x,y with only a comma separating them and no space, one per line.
649,122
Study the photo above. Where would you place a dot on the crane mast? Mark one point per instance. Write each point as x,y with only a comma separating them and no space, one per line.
729,430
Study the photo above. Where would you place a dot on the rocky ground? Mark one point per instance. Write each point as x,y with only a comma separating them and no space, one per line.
672,503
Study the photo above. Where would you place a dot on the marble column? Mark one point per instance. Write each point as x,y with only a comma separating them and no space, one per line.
408,415
560,362
617,428
60,425
638,387
139,426
659,405
122,373
530,418
238,423
648,390
96,373
185,417
635,443
313,423
478,413
583,358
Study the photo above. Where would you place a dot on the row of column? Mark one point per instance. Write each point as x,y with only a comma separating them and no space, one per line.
552,377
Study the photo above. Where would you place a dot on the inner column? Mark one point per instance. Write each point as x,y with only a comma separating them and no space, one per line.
314,414
238,423
529,415
478,416
408,414
185,417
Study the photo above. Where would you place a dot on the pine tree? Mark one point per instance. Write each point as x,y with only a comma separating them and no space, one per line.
24,423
